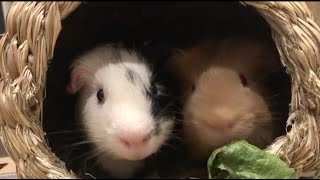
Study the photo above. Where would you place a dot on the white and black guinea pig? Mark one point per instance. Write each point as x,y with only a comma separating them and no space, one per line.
125,105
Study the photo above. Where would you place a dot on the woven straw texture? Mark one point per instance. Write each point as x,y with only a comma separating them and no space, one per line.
28,44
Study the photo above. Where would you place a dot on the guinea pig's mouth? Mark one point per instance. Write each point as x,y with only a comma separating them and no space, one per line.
137,145
135,154
221,127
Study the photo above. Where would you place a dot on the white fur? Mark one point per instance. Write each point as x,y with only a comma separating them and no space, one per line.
126,109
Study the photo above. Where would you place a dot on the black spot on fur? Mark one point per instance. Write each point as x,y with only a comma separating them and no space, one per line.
157,128
163,98
131,76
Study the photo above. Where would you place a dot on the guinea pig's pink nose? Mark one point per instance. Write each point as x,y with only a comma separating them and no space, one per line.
132,140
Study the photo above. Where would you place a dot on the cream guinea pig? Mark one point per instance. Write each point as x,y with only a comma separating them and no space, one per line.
224,99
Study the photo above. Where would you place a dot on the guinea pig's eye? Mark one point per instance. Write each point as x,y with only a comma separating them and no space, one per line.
100,96
243,80
193,87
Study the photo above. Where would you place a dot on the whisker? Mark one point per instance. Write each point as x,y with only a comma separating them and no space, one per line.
68,131
171,146
95,150
84,142
82,155
177,119
88,174
272,96
96,153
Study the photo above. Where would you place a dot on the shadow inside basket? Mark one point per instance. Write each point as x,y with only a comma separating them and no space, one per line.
166,24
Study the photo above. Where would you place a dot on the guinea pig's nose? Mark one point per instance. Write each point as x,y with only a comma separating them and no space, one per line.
132,140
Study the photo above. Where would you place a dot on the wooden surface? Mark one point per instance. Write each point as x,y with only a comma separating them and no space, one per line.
7,168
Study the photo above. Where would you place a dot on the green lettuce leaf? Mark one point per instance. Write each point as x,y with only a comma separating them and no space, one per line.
241,160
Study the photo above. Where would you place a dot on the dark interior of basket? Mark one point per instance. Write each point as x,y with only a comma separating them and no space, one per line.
165,25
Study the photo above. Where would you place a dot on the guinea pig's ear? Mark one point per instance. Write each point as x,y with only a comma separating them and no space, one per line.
76,79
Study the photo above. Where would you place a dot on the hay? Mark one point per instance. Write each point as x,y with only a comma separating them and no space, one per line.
28,44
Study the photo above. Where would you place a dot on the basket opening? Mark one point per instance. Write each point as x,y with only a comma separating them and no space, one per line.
171,24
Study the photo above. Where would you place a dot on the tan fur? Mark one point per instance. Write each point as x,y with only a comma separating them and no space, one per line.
314,7
219,102
233,52
220,109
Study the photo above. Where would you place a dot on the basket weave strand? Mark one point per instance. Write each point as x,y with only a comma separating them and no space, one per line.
297,39
28,45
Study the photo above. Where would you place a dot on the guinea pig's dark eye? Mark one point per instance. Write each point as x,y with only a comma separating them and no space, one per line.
100,96
193,87
243,80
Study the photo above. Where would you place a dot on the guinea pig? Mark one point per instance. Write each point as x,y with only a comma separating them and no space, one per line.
223,107
224,97
124,106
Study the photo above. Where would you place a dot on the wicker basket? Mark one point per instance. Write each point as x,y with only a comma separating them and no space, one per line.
28,45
